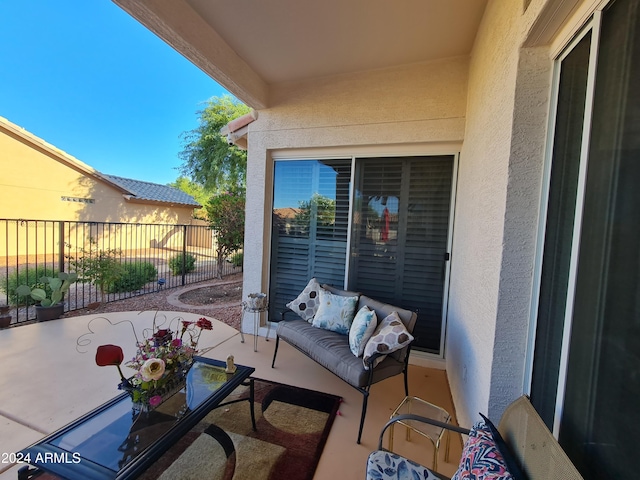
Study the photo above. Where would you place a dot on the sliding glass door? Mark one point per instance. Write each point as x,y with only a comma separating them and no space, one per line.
397,251
586,366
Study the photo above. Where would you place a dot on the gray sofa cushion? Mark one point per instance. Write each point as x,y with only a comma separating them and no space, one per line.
331,350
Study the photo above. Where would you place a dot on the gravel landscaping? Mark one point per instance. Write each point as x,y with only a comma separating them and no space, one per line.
220,299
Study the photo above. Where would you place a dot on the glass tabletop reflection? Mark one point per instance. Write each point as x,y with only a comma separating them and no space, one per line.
114,435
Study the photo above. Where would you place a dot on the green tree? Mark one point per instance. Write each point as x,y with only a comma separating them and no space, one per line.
226,218
199,193
207,157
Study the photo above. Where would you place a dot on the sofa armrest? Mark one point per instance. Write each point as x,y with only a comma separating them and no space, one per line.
371,360
409,416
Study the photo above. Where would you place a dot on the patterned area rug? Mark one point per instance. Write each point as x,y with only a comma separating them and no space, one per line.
292,428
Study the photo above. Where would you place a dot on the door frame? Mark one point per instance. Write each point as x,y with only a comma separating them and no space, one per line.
592,25
397,151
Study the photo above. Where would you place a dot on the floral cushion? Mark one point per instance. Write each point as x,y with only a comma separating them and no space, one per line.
383,465
513,465
307,303
481,457
364,323
391,335
335,312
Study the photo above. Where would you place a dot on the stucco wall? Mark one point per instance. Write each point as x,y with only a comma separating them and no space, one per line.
422,102
34,183
501,166
421,105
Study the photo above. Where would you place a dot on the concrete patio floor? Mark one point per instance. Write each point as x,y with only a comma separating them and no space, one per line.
46,382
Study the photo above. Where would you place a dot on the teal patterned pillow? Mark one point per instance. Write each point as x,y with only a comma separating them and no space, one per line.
362,328
335,313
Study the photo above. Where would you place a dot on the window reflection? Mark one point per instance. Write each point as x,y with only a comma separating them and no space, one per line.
381,219
310,198
310,222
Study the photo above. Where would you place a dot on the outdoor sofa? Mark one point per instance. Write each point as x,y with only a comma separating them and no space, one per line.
332,350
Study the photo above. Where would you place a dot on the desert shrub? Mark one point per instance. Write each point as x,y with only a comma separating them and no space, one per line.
26,276
133,277
175,264
237,258
97,266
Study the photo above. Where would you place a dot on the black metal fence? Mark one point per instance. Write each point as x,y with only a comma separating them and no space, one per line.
151,257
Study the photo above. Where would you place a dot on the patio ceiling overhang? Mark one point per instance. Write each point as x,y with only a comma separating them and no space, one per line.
249,46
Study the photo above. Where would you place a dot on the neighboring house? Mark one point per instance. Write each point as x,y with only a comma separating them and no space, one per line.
41,182
500,136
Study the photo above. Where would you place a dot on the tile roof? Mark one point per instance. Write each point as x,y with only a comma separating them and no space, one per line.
153,191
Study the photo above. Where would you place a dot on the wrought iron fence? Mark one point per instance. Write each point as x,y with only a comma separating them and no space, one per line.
148,258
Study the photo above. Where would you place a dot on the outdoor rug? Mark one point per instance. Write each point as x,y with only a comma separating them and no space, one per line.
292,428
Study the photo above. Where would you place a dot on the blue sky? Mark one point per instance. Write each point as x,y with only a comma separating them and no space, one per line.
87,78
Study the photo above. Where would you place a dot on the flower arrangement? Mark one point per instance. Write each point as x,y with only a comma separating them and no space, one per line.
161,363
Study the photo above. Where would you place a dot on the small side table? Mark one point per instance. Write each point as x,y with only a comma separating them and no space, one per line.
246,308
417,406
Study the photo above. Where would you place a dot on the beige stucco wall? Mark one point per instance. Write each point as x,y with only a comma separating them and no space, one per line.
498,204
34,181
480,211
385,112
494,242
497,105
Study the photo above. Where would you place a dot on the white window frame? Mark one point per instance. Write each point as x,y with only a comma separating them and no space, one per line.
591,26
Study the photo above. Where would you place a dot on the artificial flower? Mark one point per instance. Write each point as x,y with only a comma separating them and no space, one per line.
162,333
204,324
163,358
109,355
152,369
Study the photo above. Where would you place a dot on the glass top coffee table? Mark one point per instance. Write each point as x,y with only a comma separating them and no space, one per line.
115,442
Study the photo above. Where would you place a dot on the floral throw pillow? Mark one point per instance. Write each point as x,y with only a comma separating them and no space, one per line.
391,335
335,313
364,323
481,457
383,465
307,303
512,463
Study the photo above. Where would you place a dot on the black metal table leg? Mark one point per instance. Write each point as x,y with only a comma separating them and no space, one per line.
251,402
